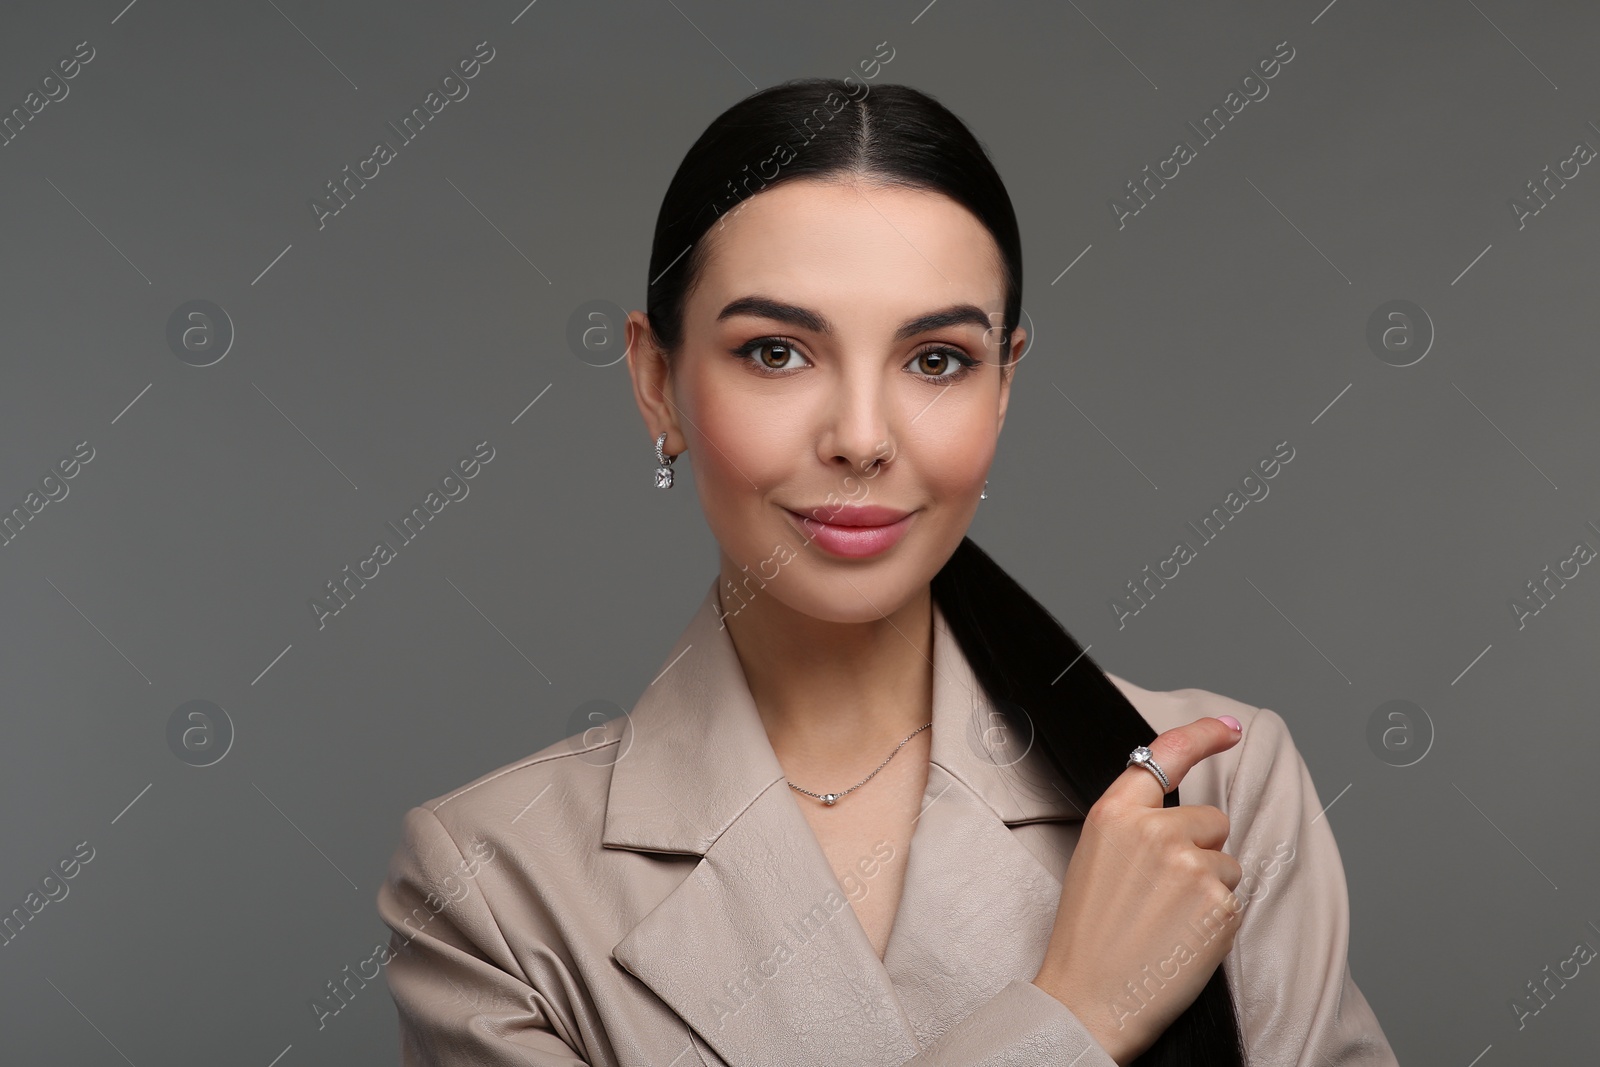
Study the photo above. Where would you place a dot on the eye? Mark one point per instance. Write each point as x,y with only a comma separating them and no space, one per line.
775,356
942,358
772,354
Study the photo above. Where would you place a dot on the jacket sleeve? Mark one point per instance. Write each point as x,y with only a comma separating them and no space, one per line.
461,996
463,1000
1289,969
1020,1026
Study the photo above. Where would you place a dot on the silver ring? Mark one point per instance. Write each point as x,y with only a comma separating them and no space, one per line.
1142,757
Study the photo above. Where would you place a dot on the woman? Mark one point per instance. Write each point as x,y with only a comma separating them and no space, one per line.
846,824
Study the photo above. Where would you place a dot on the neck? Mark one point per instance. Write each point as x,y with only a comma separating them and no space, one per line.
835,697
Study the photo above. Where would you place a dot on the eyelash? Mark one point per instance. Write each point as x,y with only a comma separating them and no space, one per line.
966,362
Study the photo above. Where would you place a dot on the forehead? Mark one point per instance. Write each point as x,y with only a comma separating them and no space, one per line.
860,251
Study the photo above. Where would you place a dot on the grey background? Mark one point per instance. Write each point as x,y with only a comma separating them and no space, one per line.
428,315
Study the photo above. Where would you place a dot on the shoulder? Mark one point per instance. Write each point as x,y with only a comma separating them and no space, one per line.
1238,779
506,870
553,796
1289,965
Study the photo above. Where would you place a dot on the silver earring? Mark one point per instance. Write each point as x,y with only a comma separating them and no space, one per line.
985,494
664,471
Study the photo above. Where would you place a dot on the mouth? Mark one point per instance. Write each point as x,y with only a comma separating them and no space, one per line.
857,532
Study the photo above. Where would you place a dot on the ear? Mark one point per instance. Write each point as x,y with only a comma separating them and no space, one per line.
1019,342
652,384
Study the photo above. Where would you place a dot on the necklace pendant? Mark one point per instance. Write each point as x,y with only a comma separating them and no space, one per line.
829,798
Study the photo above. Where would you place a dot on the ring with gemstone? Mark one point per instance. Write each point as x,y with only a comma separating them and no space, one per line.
1142,757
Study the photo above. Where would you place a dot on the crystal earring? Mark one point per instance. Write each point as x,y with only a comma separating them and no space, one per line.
664,471
985,494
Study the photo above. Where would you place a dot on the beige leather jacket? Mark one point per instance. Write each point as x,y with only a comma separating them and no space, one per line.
649,893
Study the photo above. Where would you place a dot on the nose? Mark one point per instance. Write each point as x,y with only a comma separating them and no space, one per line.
857,424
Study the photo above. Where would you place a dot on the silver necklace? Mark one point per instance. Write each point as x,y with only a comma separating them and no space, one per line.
832,798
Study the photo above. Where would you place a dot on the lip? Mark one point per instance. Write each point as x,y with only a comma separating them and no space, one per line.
856,532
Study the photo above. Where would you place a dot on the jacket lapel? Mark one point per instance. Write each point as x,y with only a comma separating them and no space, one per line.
759,950
978,907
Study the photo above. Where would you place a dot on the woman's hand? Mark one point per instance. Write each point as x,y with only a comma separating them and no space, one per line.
1143,880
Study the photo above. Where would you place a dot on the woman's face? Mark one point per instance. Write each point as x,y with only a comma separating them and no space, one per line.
840,353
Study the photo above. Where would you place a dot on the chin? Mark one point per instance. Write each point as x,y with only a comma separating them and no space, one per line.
855,594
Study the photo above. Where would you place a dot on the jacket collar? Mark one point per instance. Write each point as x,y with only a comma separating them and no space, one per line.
694,753
758,949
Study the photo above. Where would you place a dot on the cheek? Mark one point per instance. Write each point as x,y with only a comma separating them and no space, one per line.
951,456
952,453
736,439
741,451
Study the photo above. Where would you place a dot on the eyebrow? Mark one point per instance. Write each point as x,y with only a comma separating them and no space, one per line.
806,319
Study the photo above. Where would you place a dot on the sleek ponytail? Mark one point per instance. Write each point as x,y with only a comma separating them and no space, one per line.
1086,728
824,127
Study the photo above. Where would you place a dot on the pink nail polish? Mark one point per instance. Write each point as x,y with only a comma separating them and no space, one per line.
1233,724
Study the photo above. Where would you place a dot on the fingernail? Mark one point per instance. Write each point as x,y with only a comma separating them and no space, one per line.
1233,724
